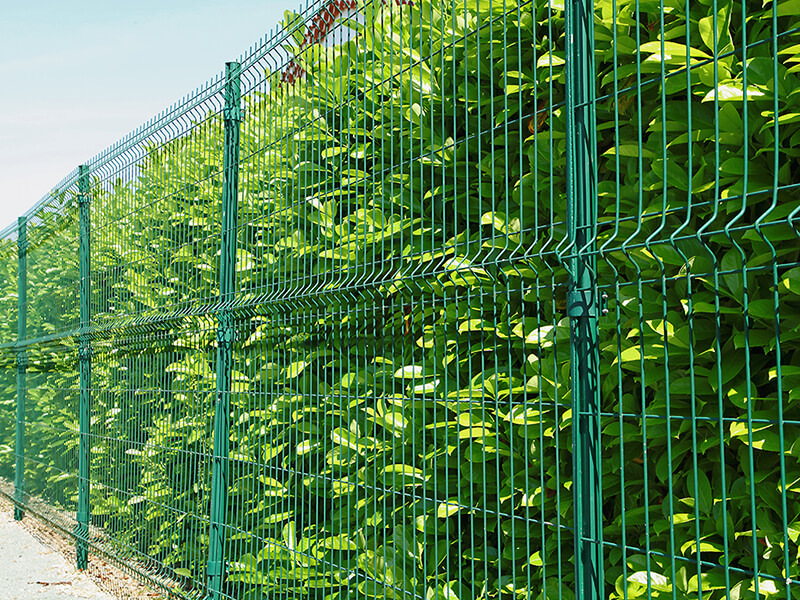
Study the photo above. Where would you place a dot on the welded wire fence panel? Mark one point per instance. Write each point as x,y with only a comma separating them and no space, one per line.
386,399
8,416
51,427
45,357
52,264
699,248
155,217
155,238
150,465
322,329
8,364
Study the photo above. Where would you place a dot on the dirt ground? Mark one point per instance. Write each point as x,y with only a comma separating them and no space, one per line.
39,563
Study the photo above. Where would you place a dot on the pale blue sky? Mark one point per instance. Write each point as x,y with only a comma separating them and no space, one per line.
77,75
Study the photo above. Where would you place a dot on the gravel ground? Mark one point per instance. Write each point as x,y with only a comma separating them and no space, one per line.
32,571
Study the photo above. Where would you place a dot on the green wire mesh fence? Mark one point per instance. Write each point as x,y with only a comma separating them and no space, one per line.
442,300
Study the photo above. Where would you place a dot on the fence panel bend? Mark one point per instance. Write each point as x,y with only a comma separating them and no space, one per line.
430,300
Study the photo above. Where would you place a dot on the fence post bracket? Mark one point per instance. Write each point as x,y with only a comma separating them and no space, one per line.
584,304
226,334
83,512
22,366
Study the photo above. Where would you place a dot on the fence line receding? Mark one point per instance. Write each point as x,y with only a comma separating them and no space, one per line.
459,300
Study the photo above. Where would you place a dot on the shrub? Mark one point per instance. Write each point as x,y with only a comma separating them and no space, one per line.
401,411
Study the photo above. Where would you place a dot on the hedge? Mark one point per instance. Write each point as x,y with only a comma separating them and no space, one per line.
401,416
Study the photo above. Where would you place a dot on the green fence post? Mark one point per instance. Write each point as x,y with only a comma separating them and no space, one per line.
85,359
227,287
22,366
583,301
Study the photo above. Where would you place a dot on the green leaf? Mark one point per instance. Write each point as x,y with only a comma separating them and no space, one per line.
790,8
338,542
294,369
707,34
791,280
673,52
410,372
703,494
731,92
448,508
400,474
550,59
655,580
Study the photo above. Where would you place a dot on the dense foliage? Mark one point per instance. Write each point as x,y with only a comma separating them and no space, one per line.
401,413
51,420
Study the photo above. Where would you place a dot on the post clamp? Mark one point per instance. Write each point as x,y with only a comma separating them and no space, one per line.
85,352
227,334
22,359
233,113
215,569
584,303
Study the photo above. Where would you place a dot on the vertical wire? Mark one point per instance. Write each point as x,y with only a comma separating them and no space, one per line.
664,305
689,288
721,422
786,575
618,308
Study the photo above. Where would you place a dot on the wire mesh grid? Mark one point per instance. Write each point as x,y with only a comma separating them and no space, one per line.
474,299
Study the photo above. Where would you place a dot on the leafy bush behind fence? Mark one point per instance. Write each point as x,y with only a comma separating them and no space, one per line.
401,410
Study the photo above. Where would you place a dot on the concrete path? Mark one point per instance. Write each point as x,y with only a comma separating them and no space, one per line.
31,571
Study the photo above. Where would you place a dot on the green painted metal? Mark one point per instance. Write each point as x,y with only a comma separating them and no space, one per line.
85,362
433,301
216,569
22,366
584,304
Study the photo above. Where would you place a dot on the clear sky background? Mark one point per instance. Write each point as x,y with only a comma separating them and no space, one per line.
77,75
